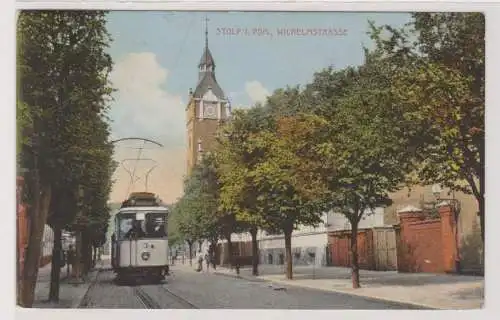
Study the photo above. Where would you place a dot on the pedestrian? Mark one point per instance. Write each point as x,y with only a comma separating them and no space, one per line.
200,262
213,261
70,257
207,260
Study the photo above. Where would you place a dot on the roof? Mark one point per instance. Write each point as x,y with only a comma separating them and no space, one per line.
208,81
135,209
207,58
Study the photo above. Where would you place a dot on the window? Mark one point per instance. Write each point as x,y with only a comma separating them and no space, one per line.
153,226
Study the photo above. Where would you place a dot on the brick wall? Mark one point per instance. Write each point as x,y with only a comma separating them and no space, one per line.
426,245
23,231
22,224
471,247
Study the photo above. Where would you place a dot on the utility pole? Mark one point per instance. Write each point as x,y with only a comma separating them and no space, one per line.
147,176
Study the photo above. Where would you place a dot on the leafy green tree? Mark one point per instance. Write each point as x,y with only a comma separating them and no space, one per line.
236,195
282,199
188,226
440,58
63,82
175,237
363,156
196,211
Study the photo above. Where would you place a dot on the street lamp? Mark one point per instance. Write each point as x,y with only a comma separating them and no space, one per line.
455,207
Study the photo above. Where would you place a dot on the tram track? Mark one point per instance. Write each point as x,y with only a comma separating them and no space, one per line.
149,303
145,299
180,299
146,296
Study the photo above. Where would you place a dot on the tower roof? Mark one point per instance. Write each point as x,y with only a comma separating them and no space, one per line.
207,78
208,82
206,58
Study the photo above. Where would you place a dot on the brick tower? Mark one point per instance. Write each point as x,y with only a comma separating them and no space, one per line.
206,110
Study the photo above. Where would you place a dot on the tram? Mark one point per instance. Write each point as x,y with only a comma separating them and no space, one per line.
139,241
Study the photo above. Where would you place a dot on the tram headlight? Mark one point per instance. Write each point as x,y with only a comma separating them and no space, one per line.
145,256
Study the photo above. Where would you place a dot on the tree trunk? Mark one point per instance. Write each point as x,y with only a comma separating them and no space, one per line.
88,252
94,256
55,272
230,251
78,256
354,256
213,253
200,242
481,217
288,253
190,244
84,253
41,203
255,252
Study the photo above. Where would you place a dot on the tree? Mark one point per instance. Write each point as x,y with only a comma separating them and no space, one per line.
195,211
67,102
440,83
365,157
283,200
236,196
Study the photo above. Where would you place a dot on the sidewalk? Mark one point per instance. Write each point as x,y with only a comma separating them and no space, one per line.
190,268
435,291
70,295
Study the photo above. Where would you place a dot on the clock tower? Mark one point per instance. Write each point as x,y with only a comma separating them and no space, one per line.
207,109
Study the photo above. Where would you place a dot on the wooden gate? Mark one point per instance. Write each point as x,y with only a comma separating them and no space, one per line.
385,249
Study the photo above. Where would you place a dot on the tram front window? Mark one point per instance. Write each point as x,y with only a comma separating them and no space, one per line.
130,226
155,225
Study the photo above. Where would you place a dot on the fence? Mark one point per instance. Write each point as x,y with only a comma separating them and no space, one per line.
241,249
340,242
384,244
376,248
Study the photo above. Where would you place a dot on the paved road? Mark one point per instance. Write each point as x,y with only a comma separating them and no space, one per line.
185,289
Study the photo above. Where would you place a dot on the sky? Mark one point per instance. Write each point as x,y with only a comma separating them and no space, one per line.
156,54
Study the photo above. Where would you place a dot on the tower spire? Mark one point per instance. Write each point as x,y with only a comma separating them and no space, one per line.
206,32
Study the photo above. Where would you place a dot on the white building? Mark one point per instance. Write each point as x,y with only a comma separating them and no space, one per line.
309,245
337,221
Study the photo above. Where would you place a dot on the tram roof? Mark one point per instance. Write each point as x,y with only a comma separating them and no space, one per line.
135,209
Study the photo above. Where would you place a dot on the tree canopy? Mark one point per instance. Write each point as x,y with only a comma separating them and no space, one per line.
63,100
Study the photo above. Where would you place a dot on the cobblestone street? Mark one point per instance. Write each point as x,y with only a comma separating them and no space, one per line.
186,289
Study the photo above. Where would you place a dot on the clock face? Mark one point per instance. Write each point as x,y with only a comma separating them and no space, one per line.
209,110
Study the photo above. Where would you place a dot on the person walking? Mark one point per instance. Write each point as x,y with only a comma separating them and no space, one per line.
200,262
207,260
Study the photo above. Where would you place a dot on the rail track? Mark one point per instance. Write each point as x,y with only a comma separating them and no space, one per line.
145,299
149,303
180,299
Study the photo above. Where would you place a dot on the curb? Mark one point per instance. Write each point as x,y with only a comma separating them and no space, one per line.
386,300
248,278
401,302
83,299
